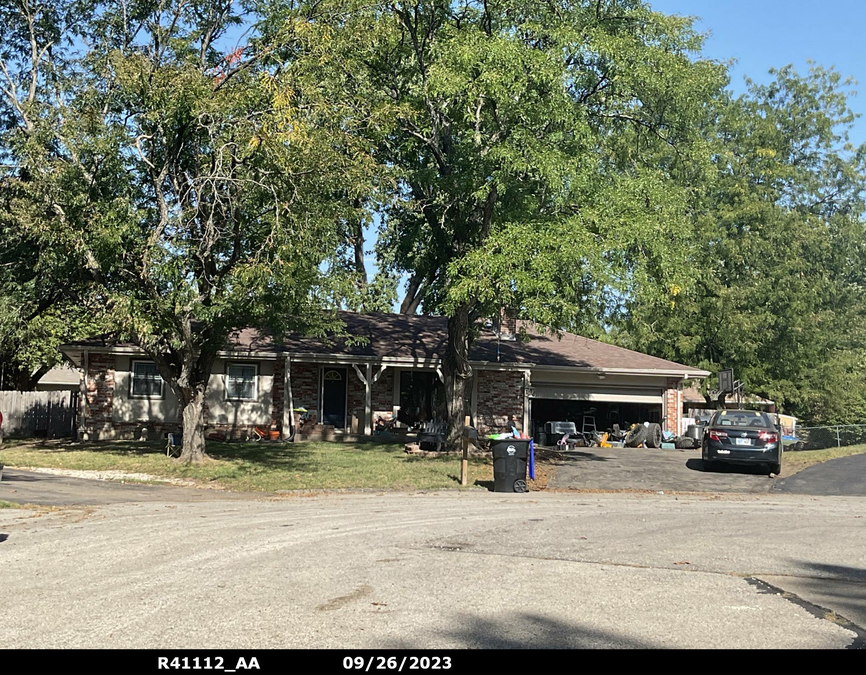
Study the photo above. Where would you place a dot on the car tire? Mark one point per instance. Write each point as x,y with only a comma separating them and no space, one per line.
654,436
776,468
684,443
635,436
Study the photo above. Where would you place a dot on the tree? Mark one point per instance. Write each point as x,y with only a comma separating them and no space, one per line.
539,151
186,178
44,296
779,254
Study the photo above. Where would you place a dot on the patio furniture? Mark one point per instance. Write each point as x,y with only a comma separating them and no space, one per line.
174,445
432,435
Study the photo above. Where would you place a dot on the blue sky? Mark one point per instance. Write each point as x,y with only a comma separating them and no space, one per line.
764,34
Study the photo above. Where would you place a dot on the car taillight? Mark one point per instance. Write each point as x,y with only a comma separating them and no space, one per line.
717,435
769,437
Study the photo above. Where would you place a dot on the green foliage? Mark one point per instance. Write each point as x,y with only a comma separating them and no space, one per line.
779,254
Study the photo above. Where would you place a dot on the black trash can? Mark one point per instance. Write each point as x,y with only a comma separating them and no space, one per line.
510,456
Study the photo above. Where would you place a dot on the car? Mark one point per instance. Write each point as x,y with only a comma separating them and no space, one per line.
742,437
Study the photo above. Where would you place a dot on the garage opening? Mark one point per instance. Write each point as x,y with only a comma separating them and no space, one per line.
574,404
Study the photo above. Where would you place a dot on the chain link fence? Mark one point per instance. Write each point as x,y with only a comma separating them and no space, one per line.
817,438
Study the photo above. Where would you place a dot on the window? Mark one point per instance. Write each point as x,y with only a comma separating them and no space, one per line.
738,418
241,382
146,380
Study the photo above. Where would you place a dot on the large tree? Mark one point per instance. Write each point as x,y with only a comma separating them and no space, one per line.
779,254
539,151
185,177
45,297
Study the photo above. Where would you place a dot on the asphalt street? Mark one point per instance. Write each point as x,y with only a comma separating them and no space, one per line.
452,569
843,476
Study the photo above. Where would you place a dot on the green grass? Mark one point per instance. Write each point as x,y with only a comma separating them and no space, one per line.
8,505
267,467
794,461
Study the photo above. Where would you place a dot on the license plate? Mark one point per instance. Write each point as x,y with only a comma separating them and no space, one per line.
743,441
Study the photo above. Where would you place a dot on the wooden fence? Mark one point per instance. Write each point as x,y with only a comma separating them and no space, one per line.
47,414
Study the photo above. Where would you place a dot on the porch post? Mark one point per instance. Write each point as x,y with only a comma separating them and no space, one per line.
395,401
526,384
82,396
288,402
368,401
474,402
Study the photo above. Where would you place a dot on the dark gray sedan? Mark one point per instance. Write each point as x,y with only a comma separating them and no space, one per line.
742,437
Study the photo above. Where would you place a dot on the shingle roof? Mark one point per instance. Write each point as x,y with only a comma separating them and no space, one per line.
425,337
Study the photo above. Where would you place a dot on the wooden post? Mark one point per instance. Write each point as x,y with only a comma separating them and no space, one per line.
82,397
288,399
368,401
464,464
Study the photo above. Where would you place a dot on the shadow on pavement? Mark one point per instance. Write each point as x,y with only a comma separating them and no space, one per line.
530,631
697,464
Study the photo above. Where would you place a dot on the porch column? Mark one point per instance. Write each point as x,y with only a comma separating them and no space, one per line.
368,401
527,383
82,396
474,400
288,402
395,401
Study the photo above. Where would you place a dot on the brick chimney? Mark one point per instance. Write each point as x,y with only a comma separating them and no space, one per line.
507,324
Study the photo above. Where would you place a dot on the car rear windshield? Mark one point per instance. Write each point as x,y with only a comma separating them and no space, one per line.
736,418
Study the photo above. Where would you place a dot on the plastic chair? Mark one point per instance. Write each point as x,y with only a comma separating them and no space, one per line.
174,445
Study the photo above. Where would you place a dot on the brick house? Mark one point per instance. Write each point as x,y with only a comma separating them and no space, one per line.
393,373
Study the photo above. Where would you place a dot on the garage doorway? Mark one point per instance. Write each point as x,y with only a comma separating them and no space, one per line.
605,414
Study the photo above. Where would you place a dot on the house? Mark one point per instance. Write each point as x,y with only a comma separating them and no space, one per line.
395,372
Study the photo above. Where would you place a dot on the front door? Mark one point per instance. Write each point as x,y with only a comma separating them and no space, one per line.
334,397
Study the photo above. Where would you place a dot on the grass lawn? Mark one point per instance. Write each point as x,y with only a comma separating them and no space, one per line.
794,461
8,505
267,467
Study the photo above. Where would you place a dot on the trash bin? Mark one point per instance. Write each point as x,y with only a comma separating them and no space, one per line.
509,464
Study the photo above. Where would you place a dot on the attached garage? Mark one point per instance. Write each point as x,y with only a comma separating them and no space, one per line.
593,406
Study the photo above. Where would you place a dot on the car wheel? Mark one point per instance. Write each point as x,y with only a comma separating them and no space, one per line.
776,468
635,436
654,436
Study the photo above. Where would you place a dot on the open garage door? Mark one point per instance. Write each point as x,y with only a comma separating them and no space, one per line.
603,406
564,392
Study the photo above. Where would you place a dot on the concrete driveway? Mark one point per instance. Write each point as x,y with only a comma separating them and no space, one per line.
654,469
471,569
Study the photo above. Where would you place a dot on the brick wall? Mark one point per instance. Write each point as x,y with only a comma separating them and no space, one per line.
305,385
500,395
383,394
100,395
673,398
278,394
356,395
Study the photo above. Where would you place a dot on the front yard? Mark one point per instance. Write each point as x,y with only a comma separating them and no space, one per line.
266,467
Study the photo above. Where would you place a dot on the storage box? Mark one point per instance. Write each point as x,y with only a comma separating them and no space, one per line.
669,446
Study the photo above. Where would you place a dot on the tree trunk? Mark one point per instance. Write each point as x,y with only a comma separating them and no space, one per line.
193,426
456,373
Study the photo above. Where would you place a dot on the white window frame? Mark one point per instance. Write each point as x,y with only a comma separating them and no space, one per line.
255,367
132,393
